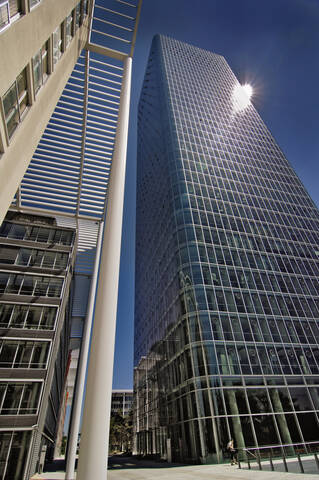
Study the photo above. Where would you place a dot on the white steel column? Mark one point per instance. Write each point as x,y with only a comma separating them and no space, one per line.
96,416
81,370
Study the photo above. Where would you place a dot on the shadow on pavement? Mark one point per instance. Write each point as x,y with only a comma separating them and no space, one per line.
57,465
119,462
116,462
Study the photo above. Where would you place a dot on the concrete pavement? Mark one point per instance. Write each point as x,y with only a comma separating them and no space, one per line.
129,468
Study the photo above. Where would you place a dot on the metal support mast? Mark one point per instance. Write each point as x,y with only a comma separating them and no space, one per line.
81,372
95,428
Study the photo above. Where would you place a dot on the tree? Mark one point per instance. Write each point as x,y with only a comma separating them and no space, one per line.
121,429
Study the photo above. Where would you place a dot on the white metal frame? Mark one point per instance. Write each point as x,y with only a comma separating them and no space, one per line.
69,171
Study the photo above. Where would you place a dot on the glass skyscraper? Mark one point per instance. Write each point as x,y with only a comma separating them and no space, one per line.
227,264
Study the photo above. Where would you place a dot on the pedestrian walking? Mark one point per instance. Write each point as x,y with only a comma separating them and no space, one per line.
232,451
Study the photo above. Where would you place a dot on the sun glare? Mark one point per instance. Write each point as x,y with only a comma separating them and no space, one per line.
248,89
241,97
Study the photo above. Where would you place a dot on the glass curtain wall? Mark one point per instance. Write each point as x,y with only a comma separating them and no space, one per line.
227,306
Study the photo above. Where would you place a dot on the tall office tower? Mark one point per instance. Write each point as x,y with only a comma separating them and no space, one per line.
227,308
36,262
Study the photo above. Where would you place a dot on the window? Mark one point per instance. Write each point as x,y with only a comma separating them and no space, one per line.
34,258
85,7
4,15
30,285
19,398
78,22
15,102
24,316
33,3
13,445
57,43
36,234
44,234
9,10
8,254
40,67
15,7
68,29
23,354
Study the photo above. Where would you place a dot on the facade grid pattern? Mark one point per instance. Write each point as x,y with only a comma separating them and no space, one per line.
227,263
35,276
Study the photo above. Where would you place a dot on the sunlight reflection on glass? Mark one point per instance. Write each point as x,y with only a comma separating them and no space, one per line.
241,97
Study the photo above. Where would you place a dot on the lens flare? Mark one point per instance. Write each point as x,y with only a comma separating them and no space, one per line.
241,97
248,89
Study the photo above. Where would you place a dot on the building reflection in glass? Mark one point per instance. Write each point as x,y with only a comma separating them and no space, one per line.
227,308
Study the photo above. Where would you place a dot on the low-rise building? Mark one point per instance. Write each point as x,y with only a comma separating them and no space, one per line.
36,264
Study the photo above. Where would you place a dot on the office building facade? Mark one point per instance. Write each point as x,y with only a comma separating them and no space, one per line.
36,263
37,69
227,264
66,77
121,402
40,45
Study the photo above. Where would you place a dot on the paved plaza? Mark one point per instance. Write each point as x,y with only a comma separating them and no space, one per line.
129,468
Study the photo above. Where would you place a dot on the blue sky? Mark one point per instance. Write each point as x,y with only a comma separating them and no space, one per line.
271,44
